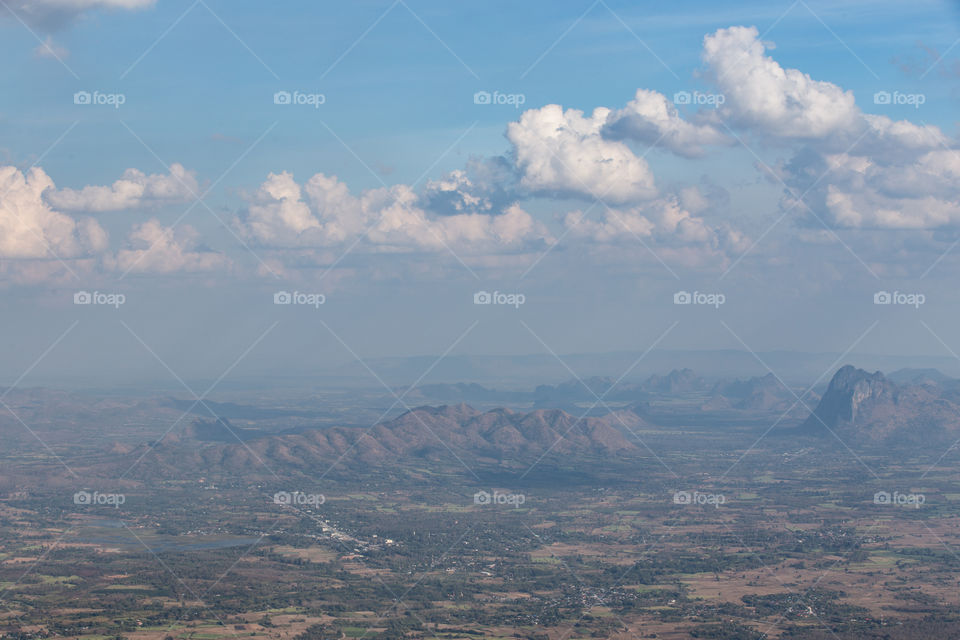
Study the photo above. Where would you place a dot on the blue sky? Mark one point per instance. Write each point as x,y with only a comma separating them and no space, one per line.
399,84
688,203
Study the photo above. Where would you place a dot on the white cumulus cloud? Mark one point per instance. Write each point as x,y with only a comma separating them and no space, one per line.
651,119
763,97
854,169
134,190
30,228
564,153
154,248
323,213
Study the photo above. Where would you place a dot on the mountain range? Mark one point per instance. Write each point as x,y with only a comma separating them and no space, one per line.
423,433
858,406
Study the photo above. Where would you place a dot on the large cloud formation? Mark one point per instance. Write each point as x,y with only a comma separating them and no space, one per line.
856,170
133,190
653,120
153,248
763,97
852,169
30,228
41,242
323,213
564,153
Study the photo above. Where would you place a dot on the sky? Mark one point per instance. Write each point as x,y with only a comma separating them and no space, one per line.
617,176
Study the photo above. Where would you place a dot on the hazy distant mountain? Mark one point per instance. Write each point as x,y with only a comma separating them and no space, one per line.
468,392
585,391
794,367
677,381
920,376
588,391
869,407
764,393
